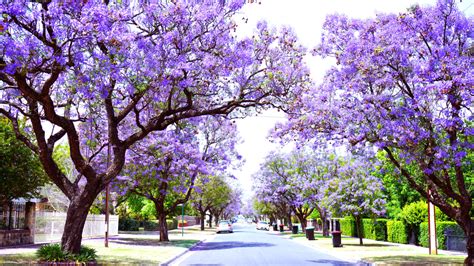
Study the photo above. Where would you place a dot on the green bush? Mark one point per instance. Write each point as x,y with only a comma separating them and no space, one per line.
375,229
53,253
172,224
441,228
348,226
397,232
151,226
127,224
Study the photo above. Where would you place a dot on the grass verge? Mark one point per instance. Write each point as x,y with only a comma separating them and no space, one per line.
418,259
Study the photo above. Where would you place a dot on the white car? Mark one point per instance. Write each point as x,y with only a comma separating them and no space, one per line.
224,226
262,225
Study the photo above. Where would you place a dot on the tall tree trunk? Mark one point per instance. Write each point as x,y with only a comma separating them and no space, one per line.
210,220
163,227
290,224
303,221
323,215
203,219
75,219
359,229
469,230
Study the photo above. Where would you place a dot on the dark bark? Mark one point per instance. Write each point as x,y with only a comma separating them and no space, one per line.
203,220
75,220
323,215
163,227
290,224
469,230
358,221
302,220
210,220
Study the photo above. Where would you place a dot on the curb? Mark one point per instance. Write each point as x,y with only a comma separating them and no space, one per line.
168,262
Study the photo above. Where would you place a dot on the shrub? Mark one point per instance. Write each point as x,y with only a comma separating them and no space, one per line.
348,226
414,213
127,224
151,226
397,232
375,229
53,253
172,224
441,228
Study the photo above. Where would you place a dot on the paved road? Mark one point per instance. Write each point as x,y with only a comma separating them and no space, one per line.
248,246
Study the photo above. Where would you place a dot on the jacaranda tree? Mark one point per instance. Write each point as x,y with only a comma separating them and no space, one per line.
121,71
164,167
402,82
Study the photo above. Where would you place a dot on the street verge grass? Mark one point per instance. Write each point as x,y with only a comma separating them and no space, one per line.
126,249
418,259
380,252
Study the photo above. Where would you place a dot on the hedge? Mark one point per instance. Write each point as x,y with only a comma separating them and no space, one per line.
127,224
397,232
441,228
172,224
348,227
151,226
374,229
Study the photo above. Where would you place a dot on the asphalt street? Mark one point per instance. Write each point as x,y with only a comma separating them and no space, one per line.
248,246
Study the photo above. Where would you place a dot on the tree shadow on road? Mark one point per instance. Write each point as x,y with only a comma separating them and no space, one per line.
228,245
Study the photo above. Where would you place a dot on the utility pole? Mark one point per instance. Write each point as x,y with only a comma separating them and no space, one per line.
107,192
433,247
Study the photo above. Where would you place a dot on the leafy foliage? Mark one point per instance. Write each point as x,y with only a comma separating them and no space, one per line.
442,228
53,253
21,173
397,232
128,224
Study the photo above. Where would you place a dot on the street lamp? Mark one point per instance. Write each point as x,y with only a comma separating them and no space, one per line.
182,218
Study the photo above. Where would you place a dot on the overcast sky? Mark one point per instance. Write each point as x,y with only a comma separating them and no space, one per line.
306,17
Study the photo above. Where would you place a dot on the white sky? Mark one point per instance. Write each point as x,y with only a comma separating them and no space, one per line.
306,17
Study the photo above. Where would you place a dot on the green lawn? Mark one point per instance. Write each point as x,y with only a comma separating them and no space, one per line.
124,250
421,259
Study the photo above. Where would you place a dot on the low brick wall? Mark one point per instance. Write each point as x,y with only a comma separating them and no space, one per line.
15,237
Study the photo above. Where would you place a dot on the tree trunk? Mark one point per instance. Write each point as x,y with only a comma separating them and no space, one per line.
325,224
203,220
469,230
290,224
358,227
210,220
75,220
163,227
216,218
303,221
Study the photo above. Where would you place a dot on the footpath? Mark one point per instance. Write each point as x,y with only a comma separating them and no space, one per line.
377,252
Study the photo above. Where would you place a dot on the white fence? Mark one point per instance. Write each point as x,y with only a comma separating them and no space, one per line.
49,226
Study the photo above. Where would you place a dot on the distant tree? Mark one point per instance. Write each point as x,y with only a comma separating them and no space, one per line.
356,192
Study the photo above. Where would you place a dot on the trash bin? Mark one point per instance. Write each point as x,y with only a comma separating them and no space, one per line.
310,233
295,229
275,227
336,239
281,227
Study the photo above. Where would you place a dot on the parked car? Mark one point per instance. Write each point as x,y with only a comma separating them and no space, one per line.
262,225
224,226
